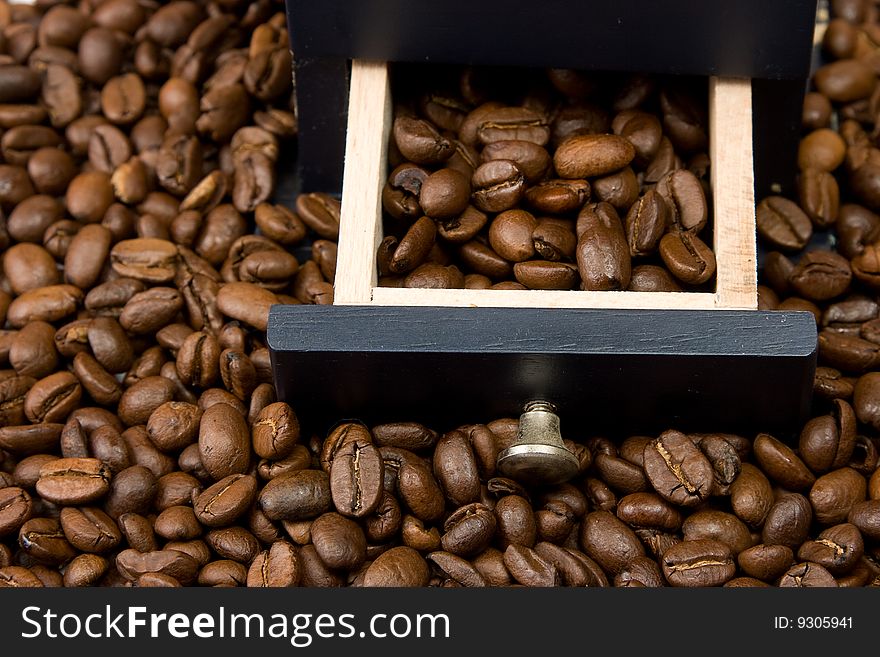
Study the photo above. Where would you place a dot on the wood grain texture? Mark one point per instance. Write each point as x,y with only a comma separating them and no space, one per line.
610,370
391,296
733,192
366,157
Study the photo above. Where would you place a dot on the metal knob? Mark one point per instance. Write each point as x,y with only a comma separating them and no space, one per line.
538,456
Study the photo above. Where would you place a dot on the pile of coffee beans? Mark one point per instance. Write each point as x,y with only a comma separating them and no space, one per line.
547,181
141,441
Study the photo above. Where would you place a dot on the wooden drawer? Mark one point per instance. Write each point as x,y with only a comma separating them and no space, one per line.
732,182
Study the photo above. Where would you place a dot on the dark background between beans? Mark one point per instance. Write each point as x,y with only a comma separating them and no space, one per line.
141,443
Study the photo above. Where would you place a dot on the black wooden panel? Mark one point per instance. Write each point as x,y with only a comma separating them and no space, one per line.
776,132
620,371
322,110
749,38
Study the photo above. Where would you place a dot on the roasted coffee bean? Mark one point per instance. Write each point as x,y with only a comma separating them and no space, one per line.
133,564
821,275
279,566
788,521
828,441
224,441
43,541
703,562
455,467
585,156
339,541
89,529
235,543
648,510
835,493
751,496
530,569
74,480
646,222
513,123
30,438
864,516
18,577
356,476
246,302
845,80
783,224
296,495
837,549
603,256
49,304
807,575
719,526
444,194
558,196
419,142
32,352
677,469
398,567
687,257
52,398
16,507
685,200
782,464
765,562
610,542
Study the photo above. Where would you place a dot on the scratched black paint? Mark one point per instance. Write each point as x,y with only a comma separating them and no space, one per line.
618,370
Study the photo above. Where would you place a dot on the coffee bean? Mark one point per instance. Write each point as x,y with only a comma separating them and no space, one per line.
608,541
513,123
356,476
837,549
497,185
16,507
751,496
602,252
74,480
18,577
52,398
703,562
133,564
235,543
278,566
864,516
821,275
719,526
89,529
828,441
788,521
224,441
339,541
845,80
677,469
456,469
585,156
296,495
558,196
43,540
687,257
807,575
766,562
530,569
648,510
783,224
782,464
398,567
